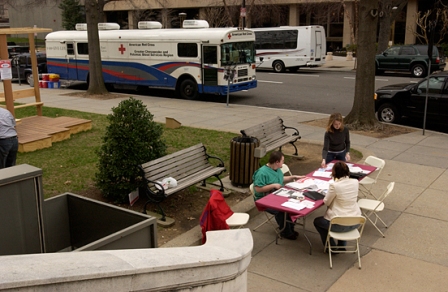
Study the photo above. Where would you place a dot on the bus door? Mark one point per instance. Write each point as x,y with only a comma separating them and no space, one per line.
318,49
209,65
72,66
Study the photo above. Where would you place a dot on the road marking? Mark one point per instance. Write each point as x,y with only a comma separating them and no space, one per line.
349,77
308,75
270,81
386,80
413,81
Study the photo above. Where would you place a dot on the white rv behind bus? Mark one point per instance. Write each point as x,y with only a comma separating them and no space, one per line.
194,59
290,47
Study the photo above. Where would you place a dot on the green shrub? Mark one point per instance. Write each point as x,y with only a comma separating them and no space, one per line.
131,138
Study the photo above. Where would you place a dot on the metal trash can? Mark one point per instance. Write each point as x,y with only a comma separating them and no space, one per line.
243,163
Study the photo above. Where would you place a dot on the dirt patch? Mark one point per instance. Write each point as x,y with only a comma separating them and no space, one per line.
84,94
387,130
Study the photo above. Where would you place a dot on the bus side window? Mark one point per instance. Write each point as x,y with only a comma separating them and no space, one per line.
210,55
83,48
70,49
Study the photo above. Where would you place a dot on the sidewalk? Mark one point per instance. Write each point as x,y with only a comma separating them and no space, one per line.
412,257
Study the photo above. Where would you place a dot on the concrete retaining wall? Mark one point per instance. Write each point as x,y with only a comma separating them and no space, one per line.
219,265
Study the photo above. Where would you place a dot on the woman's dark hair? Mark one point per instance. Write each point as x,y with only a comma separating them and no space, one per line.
340,169
275,156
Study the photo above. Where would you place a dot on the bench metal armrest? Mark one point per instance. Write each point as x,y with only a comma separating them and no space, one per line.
296,133
215,157
155,196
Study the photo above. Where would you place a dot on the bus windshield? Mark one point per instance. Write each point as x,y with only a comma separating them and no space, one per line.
237,53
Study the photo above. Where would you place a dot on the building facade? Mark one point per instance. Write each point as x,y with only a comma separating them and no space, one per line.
334,15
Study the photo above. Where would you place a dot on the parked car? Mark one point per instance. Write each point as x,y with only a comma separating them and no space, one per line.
409,58
21,66
15,49
392,102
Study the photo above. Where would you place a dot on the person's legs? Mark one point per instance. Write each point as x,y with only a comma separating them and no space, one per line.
340,156
321,224
330,157
12,154
288,232
4,150
340,228
335,156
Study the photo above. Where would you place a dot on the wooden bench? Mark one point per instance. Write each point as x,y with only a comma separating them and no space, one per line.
188,167
271,135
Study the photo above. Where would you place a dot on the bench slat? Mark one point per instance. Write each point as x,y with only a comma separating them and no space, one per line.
179,172
187,151
272,134
184,158
198,177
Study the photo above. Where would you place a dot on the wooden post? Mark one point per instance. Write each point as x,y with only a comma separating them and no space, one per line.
35,72
7,86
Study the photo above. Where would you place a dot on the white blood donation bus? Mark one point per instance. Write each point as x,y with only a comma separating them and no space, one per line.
191,60
290,47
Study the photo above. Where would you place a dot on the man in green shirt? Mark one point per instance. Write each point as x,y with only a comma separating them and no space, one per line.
269,178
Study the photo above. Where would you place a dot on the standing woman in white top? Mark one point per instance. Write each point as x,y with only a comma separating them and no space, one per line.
341,200
9,144
336,141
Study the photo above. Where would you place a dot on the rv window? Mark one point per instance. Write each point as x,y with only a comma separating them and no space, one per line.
276,39
187,50
210,55
70,50
83,49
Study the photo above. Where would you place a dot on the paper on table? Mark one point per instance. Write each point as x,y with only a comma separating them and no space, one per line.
294,206
302,184
322,184
326,174
286,193
355,169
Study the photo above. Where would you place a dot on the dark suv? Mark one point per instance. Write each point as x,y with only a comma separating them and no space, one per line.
21,66
409,58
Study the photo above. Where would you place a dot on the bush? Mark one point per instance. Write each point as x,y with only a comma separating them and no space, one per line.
131,138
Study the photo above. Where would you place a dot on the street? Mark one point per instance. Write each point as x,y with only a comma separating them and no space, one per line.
306,90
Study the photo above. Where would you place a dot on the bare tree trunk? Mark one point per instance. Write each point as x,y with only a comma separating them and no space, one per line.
387,16
362,115
229,16
94,15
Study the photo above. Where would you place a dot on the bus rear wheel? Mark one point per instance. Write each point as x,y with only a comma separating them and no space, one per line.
279,67
188,89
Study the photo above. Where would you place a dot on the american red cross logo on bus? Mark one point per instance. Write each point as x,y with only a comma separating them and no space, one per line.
122,49
229,36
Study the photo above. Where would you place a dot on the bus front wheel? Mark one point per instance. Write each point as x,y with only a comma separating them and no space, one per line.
188,89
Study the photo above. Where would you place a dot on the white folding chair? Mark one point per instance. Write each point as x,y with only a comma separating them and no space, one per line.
285,169
237,220
366,184
269,217
372,207
352,235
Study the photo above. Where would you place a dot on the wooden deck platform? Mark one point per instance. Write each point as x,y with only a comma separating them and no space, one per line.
40,132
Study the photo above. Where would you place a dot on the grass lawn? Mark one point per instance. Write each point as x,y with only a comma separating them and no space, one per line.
70,166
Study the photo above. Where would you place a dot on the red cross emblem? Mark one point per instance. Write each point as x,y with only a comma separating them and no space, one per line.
229,36
122,49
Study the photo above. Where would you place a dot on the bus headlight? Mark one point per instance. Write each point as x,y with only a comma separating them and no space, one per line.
254,77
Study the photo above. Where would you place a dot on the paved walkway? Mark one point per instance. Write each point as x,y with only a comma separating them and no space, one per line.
412,257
